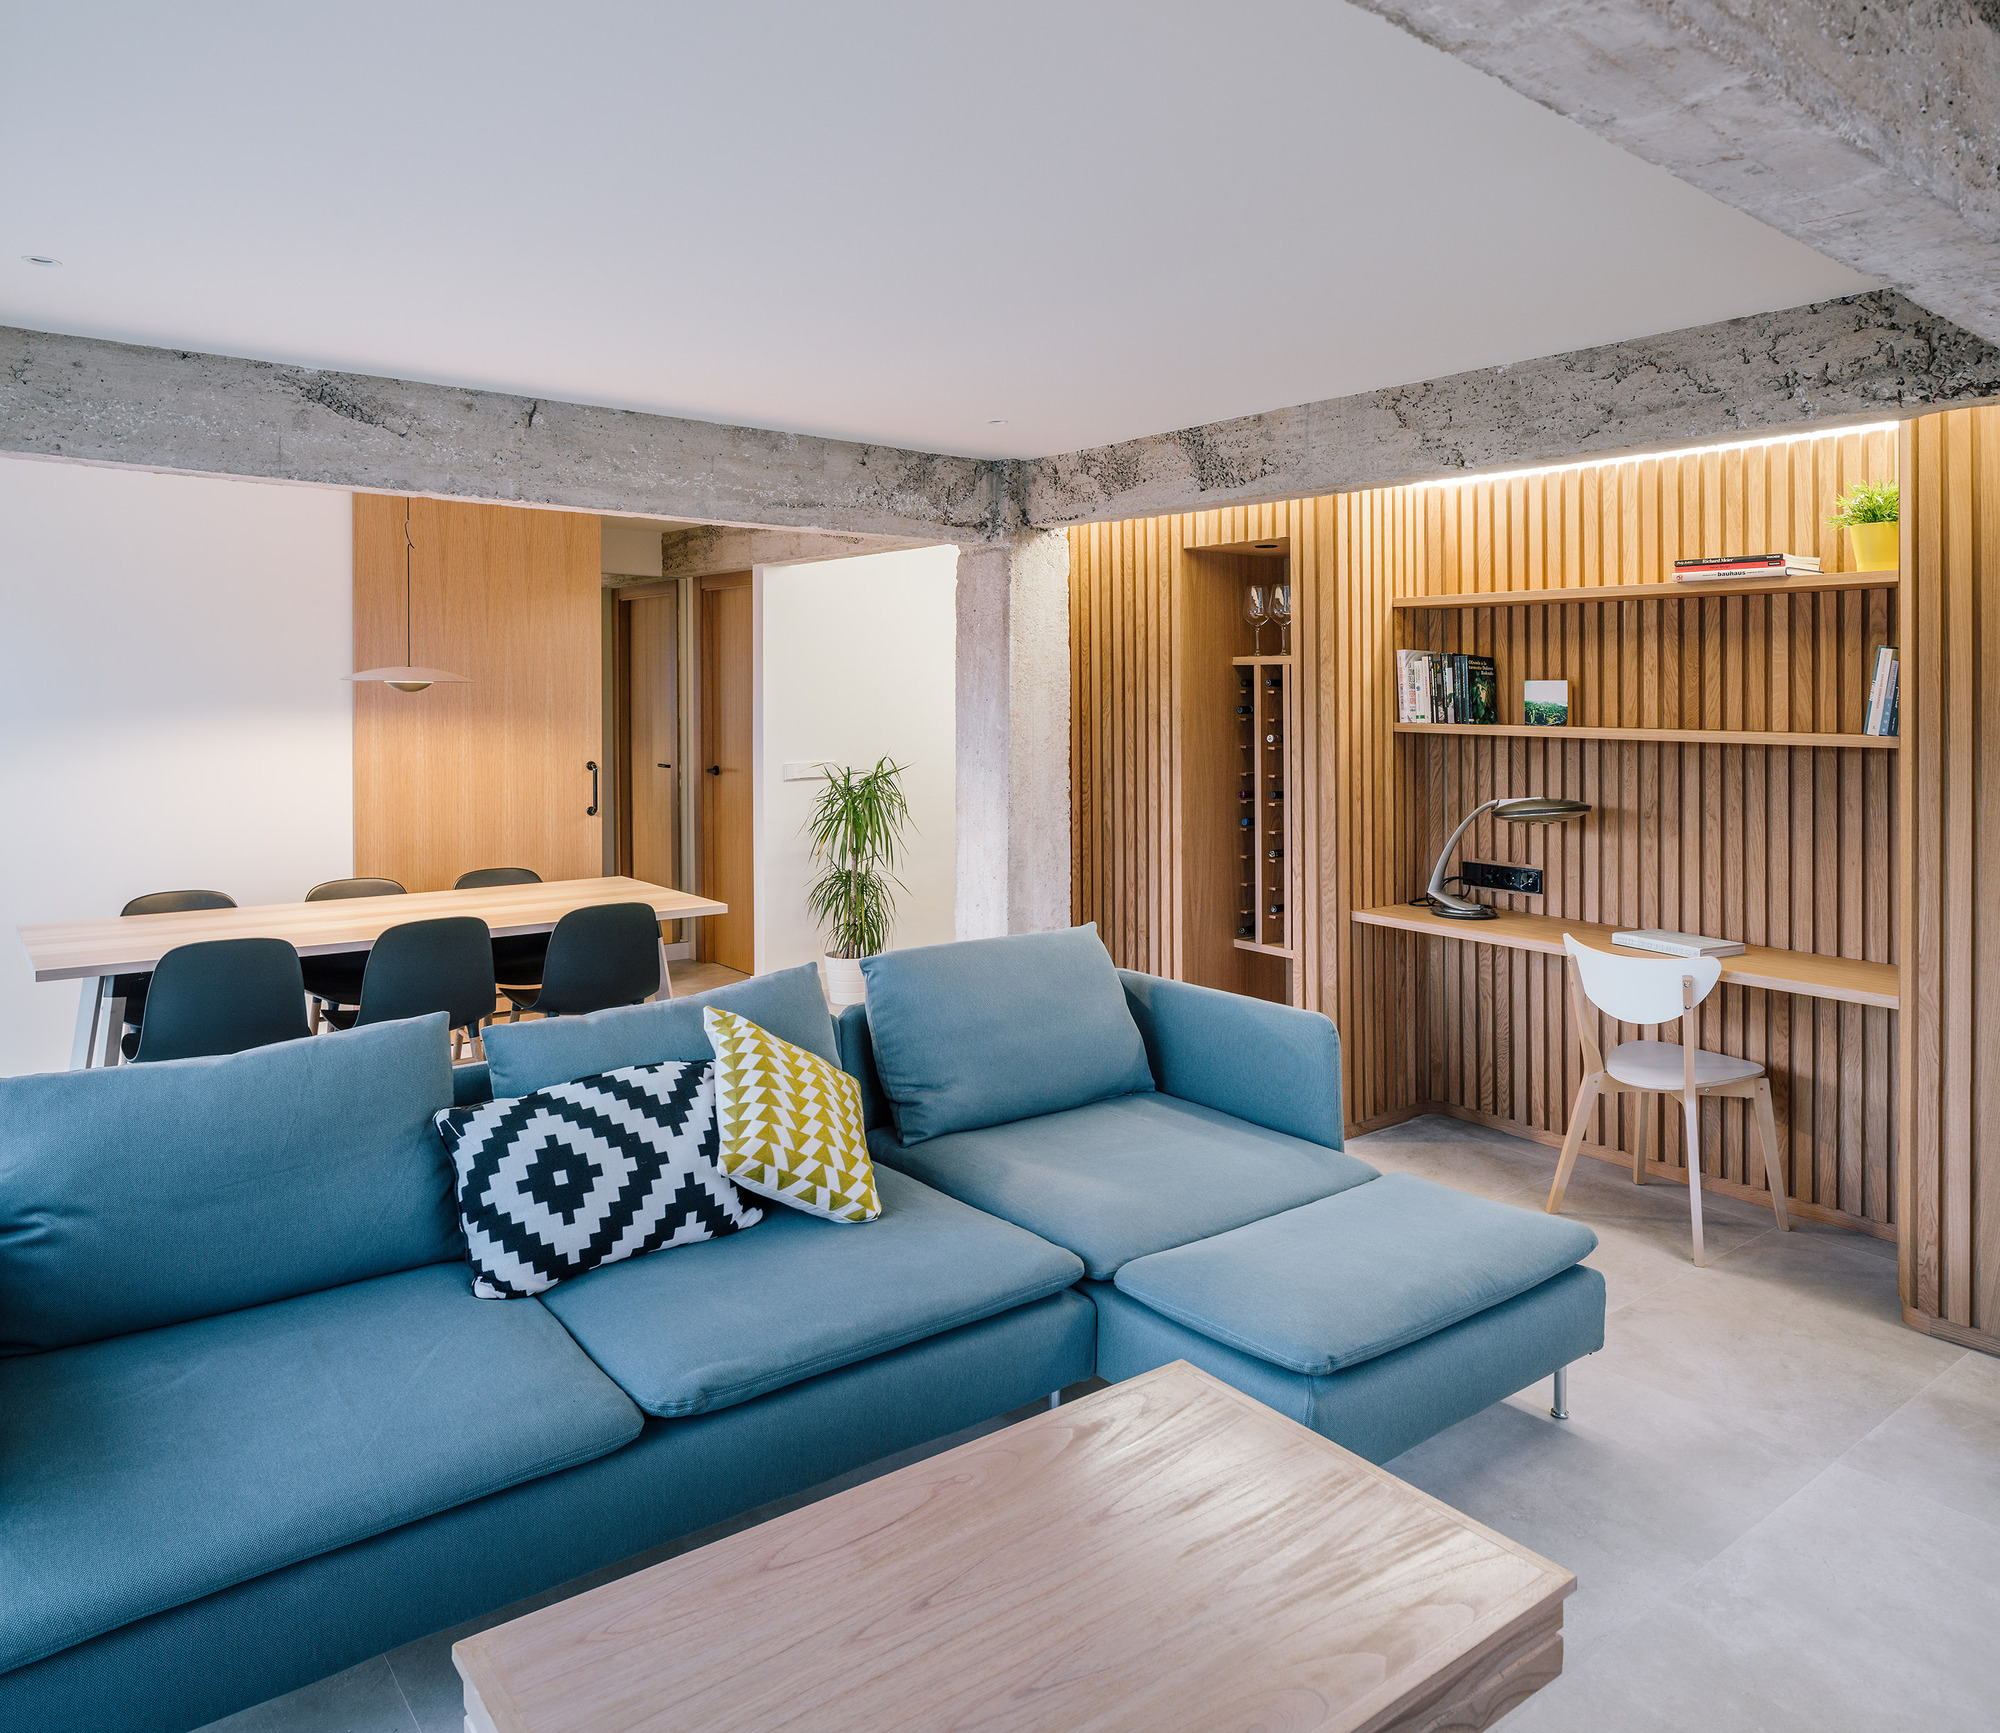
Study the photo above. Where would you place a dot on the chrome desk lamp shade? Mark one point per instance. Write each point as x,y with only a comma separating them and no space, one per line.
1535,809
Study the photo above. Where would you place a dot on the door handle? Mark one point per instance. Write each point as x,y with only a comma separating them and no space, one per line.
715,770
666,767
590,764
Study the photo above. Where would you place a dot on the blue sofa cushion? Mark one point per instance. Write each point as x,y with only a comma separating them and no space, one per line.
719,1323
145,1195
992,1030
147,1472
524,1057
1338,1282
1119,1179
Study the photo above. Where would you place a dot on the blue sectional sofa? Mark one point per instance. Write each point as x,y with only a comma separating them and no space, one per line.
254,1426
1186,1145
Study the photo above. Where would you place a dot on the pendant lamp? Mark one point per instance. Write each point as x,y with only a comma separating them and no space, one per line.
408,678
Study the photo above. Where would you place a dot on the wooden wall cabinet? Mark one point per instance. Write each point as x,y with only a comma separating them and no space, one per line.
493,772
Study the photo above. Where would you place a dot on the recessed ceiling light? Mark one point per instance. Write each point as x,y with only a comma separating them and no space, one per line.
40,259
1002,422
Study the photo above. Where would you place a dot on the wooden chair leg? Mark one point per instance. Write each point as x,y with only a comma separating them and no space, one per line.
1767,1141
1691,1119
1586,1099
1643,1141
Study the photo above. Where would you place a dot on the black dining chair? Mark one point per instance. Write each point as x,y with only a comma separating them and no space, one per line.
598,958
424,966
224,996
335,979
518,958
132,988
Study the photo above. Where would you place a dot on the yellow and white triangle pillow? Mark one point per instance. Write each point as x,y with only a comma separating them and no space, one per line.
790,1123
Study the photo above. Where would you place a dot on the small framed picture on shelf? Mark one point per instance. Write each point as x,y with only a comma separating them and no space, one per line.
1545,703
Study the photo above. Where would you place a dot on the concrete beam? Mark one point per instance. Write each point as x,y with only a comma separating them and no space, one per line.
1871,358
1013,736
114,403
1870,132
704,549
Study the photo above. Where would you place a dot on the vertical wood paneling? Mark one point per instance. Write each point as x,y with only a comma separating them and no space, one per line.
1950,1034
1791,847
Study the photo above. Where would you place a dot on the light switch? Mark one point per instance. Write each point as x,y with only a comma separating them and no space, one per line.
805,772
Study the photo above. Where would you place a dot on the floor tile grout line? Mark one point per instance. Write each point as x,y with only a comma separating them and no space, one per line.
1942,1371
409,1708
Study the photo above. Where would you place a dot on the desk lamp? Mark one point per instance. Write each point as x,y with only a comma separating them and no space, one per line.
1536,809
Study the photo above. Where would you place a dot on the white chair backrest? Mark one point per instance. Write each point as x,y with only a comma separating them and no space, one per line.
1636,989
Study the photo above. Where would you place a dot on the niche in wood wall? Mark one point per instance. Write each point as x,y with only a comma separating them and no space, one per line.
1238,759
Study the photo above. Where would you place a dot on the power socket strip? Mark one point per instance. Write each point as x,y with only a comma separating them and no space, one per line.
1521,881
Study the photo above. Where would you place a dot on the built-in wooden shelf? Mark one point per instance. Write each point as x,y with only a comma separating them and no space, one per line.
1845,978
1692,736
1260,661
1263,950
1668,591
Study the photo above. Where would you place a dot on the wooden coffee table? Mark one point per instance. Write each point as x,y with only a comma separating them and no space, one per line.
1165,1554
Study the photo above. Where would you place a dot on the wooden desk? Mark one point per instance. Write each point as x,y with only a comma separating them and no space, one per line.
1805,972
1166,1555
98,951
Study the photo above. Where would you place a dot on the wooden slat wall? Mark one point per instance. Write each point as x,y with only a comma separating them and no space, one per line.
1788,847
1951,835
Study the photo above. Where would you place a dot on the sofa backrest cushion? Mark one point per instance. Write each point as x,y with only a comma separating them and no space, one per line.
988,1031
524,1057
145,1195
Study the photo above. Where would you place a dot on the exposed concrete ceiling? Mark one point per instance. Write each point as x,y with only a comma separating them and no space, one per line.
1871,132
892,222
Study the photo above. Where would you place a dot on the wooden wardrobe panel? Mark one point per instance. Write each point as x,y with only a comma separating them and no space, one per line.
492,772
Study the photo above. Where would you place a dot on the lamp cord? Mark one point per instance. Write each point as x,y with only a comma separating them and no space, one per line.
408,548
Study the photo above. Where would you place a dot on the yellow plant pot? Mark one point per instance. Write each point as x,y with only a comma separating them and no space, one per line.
1876,547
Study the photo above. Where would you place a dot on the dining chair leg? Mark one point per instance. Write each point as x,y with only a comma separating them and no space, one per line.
1691,1116
1586,1098
1767,1141
1642,1141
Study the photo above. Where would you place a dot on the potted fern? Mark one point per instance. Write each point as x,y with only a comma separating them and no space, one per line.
856,830
1868,511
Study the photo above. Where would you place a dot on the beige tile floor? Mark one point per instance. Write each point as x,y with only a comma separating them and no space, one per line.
1782,1507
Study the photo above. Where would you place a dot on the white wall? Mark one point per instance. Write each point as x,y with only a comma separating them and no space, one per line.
856,661
172,713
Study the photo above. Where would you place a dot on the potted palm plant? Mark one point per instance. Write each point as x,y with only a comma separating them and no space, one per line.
1868,511
856,830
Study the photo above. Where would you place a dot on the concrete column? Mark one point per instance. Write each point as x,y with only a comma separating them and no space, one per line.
1013,735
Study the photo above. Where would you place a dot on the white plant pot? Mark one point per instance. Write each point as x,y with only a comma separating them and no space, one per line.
844,983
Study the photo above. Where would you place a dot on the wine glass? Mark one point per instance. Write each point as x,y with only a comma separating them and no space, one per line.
1257,609
1280,606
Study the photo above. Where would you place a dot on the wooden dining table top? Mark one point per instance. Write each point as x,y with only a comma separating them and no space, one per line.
128,944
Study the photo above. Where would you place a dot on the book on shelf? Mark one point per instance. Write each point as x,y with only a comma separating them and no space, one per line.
1413,686
1545,703
1482,689
1882,690
1672,944
1747,566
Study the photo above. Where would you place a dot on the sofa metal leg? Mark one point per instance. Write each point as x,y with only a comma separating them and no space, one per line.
1055,1398
1560,1410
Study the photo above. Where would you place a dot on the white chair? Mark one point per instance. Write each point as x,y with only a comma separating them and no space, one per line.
1657,990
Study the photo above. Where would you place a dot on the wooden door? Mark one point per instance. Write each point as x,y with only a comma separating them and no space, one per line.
727,858
492,772
652,639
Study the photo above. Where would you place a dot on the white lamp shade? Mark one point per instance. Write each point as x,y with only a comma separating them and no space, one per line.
410,676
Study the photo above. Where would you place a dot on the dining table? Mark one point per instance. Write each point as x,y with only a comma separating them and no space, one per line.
97,952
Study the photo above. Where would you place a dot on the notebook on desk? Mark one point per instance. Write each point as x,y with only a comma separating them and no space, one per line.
1678,944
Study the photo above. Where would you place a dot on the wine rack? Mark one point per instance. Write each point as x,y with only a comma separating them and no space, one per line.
1266,835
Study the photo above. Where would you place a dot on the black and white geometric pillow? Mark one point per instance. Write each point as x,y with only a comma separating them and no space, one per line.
587,1173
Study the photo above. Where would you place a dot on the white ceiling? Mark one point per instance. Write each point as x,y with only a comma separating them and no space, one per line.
896,222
